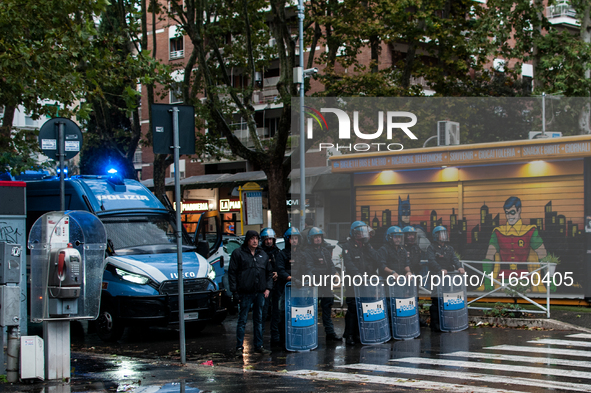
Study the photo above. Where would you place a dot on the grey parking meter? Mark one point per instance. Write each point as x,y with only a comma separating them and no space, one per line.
67,263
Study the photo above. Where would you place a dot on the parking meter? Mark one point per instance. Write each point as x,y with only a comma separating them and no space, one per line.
67,263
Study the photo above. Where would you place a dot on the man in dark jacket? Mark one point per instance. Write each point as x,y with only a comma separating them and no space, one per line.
359,258
251,279
442,259
319,264
286,257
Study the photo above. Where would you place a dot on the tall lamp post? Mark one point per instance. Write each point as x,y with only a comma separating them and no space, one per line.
302,137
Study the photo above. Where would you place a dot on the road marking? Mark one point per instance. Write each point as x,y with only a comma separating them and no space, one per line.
553,351
580,335
463,375
569,343
515,358
495,366
392,381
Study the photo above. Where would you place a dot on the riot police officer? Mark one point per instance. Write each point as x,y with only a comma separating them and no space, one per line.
442,259
268,240
394,253
358,257
285,259
412,248
319,263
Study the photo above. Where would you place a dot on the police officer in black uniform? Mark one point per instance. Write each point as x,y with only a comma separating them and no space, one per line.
394,254
358,257
285,259
268,244
412,248
319,263
442,259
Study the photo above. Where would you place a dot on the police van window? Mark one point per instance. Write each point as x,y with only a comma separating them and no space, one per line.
137,233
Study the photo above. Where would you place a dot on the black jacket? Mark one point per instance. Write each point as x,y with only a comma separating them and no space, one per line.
360,259
250,273
414,257
442,257
285,261
395,258
272,252
319,261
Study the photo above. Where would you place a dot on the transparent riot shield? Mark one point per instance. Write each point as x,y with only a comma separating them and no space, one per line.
67,263
452,308
301,318
374,327
404,311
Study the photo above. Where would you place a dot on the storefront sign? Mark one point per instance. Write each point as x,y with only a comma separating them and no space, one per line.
229,205
193,206
466,155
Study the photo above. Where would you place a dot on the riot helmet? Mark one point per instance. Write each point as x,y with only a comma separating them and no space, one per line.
313,232
292,232
394,235
268,233
440,234
410,234
360,231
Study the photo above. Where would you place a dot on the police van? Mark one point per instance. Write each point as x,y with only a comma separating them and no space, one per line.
140,281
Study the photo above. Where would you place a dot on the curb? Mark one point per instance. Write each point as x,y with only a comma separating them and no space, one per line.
530,323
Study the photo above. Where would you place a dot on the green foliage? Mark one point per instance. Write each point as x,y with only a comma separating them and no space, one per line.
503,310
551,258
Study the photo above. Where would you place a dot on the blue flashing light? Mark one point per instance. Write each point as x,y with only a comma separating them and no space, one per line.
65,171
112,171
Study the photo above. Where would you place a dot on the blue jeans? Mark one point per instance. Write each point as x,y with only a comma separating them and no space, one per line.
257,300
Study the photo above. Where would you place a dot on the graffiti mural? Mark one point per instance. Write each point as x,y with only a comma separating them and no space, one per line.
510,226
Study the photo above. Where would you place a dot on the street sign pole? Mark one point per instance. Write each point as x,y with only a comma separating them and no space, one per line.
61,152
179,233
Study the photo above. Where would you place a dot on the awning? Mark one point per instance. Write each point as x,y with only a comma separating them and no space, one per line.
213,181
317,179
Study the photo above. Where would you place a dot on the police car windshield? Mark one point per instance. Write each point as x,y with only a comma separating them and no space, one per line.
145,234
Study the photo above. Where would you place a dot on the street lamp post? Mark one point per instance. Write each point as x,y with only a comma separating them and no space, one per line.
302,137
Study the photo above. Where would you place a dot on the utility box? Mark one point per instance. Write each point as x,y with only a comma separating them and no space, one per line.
32,358
10,263
10,302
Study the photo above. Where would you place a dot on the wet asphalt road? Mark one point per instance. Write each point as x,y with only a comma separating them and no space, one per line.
147,360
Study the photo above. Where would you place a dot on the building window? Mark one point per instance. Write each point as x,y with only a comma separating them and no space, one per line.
176,48
181,169
176,94
137,157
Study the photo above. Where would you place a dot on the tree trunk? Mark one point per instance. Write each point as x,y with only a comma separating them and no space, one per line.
160,164
6,127
278,198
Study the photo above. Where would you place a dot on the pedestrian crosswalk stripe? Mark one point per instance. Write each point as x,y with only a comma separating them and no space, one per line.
463,375
580,335
553,351
494,366
515,358
570,343
393,381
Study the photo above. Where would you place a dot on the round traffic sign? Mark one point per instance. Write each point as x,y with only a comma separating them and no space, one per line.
49,138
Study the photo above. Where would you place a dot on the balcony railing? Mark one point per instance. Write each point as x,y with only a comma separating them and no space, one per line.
562,13
177,54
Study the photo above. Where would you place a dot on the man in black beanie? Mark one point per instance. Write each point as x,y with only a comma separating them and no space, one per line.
251,279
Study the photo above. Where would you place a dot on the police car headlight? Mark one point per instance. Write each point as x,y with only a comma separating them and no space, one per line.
211,273
132,277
